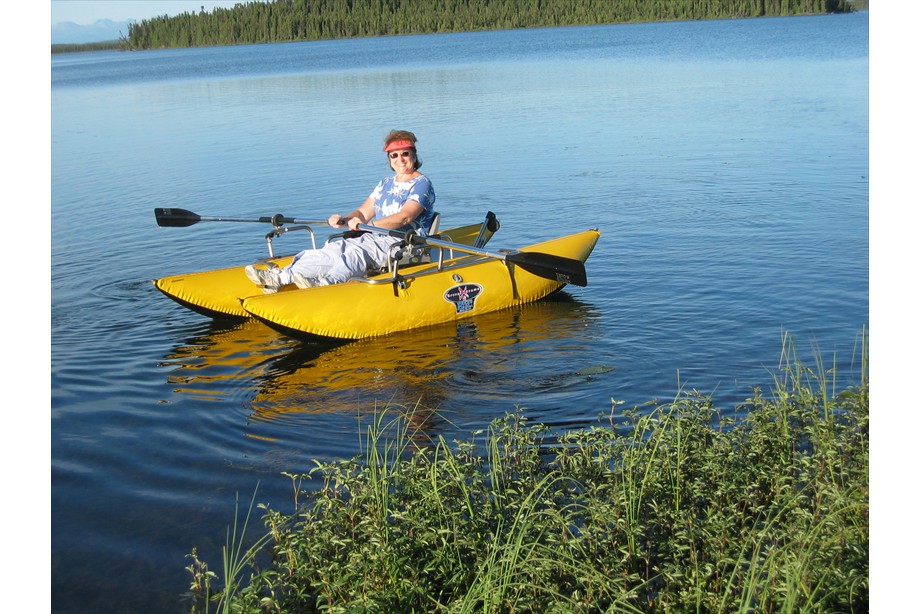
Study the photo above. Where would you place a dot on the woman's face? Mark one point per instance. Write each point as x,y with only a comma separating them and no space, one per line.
402,160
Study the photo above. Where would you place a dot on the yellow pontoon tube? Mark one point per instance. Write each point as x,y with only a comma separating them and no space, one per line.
455,288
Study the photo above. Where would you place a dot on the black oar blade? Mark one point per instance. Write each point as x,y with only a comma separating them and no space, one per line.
176,218
550,266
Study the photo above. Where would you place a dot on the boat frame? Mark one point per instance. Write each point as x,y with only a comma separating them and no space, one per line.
217,293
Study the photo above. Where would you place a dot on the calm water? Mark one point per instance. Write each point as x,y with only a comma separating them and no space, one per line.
725,163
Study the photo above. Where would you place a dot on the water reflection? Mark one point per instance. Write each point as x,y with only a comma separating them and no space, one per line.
536,348
220,361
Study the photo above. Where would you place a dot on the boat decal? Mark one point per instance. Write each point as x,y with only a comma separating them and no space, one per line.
463,296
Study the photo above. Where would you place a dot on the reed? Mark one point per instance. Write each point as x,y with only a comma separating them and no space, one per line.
672,507
235,560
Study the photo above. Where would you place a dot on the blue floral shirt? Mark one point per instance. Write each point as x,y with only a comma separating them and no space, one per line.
390,195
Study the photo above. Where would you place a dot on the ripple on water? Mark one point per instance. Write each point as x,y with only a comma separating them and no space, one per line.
732,198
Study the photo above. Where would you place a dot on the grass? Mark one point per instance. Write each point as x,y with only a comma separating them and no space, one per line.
668,508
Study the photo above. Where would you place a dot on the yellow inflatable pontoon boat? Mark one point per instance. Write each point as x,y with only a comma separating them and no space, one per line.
430,280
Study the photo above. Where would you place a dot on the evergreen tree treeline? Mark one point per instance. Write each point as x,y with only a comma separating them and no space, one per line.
298,20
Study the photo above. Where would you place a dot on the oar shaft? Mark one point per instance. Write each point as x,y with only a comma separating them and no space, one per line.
171,216
548,266
261,220
434,242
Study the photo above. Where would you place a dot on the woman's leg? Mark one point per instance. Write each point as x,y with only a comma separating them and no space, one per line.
312,263
334,263
357,255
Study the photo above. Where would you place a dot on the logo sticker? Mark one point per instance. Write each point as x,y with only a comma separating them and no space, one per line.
463,296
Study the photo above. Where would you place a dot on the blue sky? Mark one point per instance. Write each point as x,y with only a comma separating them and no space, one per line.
86,12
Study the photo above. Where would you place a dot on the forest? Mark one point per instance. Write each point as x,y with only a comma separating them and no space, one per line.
301,20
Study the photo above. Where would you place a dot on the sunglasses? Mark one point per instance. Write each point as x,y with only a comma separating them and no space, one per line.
397,154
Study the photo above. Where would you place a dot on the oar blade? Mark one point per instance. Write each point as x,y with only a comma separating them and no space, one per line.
175,218
551,266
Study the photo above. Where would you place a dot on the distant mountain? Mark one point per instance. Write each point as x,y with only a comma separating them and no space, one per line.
68,32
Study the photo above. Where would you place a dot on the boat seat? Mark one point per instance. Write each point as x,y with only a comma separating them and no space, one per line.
403,254
435,224
400,253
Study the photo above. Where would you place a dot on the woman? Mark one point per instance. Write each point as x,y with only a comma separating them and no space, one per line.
404,201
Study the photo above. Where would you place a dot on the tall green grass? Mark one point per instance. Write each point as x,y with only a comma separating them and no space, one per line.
668,508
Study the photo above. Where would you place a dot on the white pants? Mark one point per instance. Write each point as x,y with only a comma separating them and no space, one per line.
339,261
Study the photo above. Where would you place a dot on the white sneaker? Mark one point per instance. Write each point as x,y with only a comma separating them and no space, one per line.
267,279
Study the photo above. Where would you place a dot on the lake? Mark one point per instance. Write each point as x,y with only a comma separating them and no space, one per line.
724,162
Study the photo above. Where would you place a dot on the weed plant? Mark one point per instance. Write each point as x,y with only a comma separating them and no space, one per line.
667,508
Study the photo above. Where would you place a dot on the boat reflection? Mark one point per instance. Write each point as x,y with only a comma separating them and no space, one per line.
224,359
431,369
423,368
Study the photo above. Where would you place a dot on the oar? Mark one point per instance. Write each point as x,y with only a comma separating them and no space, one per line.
180,218
548,266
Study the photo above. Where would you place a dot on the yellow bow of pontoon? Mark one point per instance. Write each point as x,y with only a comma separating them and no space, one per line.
430,280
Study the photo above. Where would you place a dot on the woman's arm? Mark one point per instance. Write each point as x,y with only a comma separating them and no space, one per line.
365,213
406,215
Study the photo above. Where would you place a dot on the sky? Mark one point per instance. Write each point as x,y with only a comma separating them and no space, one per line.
87,12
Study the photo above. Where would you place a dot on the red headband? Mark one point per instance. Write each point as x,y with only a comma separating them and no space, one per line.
399,145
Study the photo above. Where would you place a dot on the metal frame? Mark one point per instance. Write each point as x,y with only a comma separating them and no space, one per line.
279,230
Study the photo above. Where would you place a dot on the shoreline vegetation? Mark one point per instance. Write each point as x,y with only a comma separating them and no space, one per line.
305,20
673,507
